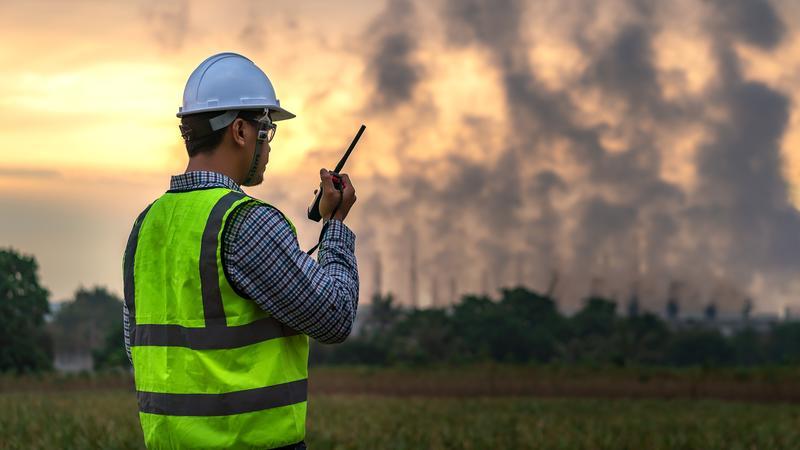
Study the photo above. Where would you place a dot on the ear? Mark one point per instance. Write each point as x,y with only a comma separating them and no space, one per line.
238,131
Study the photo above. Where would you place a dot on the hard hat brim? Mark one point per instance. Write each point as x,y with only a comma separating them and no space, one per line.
276,112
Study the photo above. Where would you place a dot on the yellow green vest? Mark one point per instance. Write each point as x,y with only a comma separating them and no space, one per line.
212,369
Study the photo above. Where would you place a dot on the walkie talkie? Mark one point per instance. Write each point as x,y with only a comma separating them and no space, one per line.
313,210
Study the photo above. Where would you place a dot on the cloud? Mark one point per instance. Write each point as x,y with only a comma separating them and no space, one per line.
625,68
754,21
168,22
391,64
746,195
495,23
252,34
18,172
592,208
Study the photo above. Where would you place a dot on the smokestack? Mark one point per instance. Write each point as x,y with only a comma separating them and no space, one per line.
673,307
413,269
485,288
633,303
747,309
435,292
453,291
378,276
551,287
710,312
596,287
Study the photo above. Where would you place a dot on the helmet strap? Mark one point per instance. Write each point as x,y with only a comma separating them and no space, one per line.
261,137
251,173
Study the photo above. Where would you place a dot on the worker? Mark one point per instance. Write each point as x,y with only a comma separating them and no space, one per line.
219,298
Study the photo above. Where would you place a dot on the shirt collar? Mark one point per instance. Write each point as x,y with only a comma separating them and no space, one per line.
201,179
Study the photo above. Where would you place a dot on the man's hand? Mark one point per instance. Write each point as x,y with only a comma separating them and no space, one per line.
331,197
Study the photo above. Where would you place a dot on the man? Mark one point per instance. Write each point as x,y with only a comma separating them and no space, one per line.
219,298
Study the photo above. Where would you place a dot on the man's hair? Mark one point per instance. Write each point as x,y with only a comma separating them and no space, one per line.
200,137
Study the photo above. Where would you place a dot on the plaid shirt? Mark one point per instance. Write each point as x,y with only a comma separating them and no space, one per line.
263,260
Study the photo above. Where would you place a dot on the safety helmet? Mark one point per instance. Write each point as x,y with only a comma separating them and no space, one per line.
229,82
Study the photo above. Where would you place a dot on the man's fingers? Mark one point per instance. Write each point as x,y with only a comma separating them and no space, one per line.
348,185
327,180
349,190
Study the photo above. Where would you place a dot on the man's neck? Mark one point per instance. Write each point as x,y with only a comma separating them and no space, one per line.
210,164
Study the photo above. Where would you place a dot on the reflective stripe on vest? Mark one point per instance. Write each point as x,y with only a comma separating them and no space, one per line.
238,402
212,370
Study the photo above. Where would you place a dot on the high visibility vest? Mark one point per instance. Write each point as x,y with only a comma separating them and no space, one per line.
212,369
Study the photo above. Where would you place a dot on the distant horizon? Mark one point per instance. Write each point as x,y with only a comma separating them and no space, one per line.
505,140
621,304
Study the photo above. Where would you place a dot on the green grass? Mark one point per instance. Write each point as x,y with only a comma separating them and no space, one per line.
106,419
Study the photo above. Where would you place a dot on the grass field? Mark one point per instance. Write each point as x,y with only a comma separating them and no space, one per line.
106,419
762,384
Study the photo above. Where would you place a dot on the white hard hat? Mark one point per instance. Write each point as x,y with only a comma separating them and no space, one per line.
229,81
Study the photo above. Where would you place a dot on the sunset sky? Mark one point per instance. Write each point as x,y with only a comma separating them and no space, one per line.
620,143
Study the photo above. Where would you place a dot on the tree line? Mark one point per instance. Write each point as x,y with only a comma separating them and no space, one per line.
521,326
31,334
526,327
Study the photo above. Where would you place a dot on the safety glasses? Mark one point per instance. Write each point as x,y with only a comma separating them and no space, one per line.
266,128
266,131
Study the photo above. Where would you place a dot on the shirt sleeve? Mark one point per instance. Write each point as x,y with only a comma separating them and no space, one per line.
264,261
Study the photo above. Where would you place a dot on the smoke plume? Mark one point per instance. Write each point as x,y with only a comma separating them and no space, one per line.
581,183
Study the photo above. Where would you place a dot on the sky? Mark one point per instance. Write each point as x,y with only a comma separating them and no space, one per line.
617,147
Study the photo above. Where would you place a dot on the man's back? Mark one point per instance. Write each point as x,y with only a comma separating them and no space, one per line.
219,299
206,360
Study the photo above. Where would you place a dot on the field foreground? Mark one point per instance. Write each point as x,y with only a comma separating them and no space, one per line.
106,419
